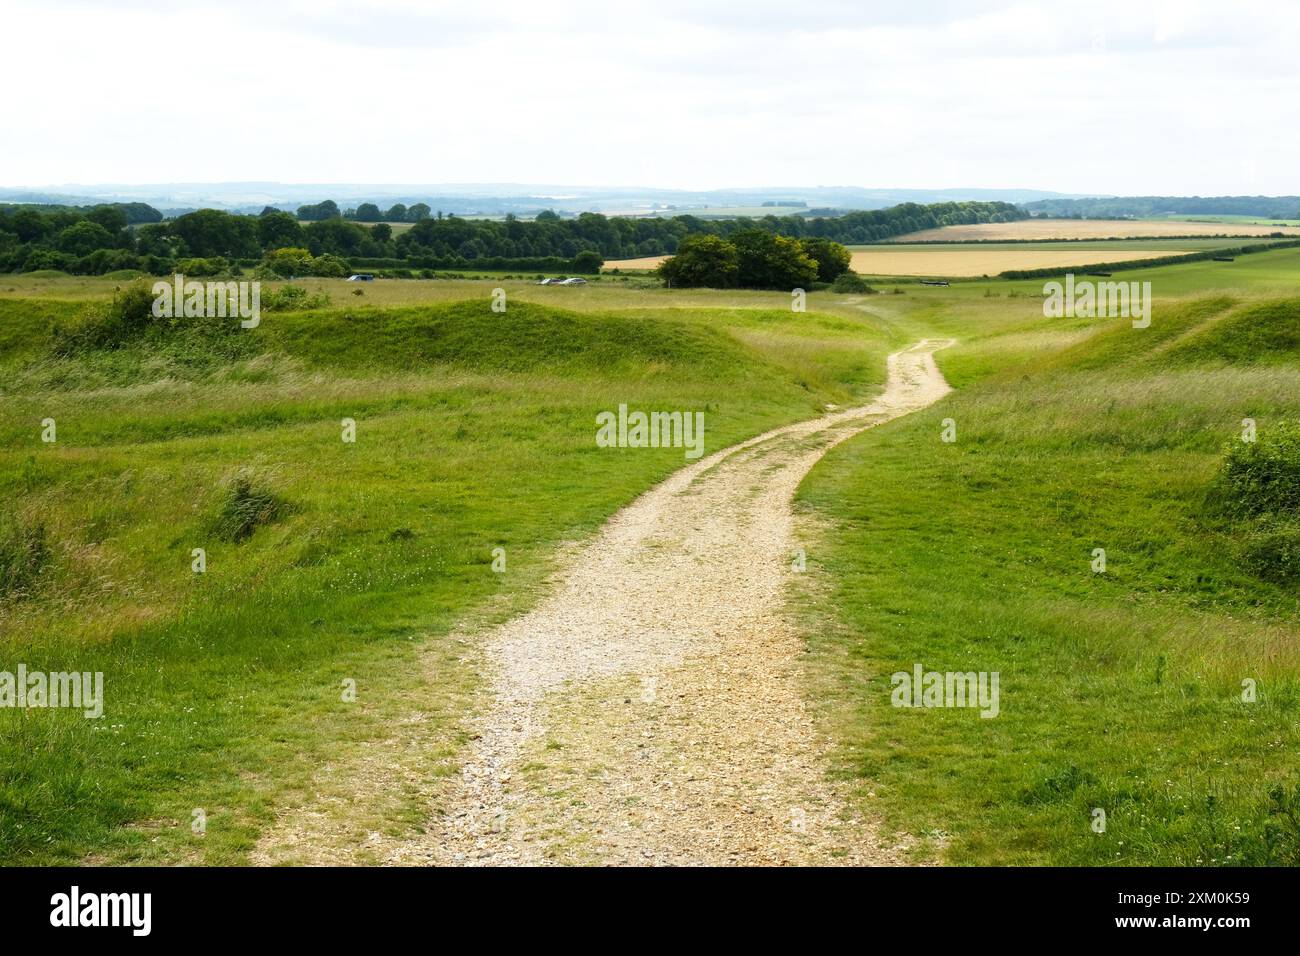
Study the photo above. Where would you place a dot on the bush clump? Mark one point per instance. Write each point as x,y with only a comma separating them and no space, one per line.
1262,477
111,325
851,282
294,298
24,553
129,320
245,509
1258,491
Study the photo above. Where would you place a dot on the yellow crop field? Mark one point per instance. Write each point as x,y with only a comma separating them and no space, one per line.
625,265
973,260
959,260
1090,229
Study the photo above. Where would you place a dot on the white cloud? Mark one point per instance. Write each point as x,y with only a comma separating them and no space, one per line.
1105,96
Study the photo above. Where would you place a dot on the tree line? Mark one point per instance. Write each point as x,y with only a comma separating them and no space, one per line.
106,239
1146,207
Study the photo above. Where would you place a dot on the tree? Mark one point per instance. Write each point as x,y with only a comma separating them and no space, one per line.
336,236
702,260
319,212
30,225
772,262
367,212
138,213
110,217
381,232
588,262
418,213
276,230
832,258
396,213
211,232
154,239
83,238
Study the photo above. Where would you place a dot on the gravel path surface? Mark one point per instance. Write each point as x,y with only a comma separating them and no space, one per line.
650,710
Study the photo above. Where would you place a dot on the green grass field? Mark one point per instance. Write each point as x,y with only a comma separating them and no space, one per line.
475,431
1120,690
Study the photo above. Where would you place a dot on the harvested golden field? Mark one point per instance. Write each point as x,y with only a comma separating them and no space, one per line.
645,262
957,260
973,260
1090,229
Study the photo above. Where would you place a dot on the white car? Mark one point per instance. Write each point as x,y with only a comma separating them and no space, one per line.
574,281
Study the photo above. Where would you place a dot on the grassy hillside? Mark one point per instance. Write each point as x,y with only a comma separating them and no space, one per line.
1120,690
329,561
325,560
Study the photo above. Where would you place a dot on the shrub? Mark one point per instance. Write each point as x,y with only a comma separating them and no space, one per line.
244,510
45,259
1258,489
111,325
293,298
330,267
23,555
1261,477
288,262
129,320
103,261
851,282
203,267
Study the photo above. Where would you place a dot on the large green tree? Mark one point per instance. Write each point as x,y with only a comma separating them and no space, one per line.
278,230
832,259
83,238
320,211
210,232
707,261
772,262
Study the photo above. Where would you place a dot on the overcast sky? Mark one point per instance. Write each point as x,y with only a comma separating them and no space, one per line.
1111,96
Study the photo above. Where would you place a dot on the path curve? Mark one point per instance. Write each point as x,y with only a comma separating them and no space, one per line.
650,710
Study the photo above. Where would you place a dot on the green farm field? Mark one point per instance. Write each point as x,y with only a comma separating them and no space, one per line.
330,562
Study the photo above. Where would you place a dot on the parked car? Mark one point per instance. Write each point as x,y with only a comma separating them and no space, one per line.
362,277
573,281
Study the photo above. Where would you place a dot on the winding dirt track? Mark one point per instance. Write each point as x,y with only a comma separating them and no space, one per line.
650,710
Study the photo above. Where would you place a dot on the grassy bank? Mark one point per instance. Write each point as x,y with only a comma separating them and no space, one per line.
326,561
1120,691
